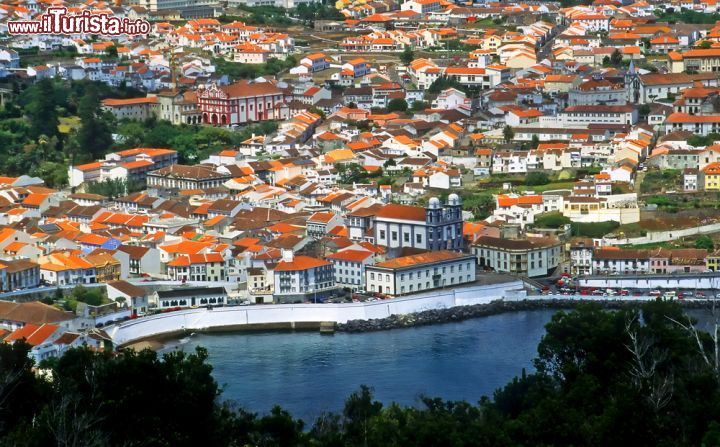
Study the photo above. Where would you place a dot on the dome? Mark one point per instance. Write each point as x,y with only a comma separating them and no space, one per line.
434,203
453,199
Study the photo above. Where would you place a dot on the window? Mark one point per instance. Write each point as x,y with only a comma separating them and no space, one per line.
382,234
387,278
372,275
418,238
406,237
394,236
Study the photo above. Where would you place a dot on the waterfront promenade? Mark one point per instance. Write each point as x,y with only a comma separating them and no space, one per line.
297,316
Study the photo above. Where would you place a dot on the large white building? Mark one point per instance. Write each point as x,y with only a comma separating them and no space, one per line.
622,208
300,278
349,268
531,257
421,272
583,115
626,261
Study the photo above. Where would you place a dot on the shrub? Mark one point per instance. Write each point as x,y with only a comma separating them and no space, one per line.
537,178
593,229
551,220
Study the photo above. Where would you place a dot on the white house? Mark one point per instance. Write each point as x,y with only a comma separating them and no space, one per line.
349,268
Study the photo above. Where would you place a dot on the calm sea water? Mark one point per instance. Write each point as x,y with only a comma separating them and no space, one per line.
307,373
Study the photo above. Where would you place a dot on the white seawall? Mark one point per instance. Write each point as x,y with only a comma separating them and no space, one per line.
236,317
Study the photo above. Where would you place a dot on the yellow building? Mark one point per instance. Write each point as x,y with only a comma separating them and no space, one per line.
712,177
712,261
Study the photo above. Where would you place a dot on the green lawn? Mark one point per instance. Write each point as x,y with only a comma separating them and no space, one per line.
549,187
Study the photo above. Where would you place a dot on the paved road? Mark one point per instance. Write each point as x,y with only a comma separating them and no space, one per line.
545,50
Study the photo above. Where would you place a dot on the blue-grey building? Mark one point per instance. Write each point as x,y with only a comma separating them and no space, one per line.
435,227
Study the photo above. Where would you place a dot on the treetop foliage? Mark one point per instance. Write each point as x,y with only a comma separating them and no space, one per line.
633,376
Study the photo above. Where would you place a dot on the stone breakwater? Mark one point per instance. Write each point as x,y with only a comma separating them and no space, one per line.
460,313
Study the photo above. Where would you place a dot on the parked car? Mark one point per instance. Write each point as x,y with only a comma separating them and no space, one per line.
624,292
655,293
598,292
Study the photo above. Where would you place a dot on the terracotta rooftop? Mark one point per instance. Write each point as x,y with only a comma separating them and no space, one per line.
422,259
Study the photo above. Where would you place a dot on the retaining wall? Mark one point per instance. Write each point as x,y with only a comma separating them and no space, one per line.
287,315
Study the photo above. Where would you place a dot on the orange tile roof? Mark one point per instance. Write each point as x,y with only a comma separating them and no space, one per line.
186,260
323,217
300,262
420,259
350,255
129,102
35,199
91,239
13,247
137,164
712,169
403,212
33,334
89,166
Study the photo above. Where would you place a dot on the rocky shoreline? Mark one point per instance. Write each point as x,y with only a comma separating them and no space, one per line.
460,313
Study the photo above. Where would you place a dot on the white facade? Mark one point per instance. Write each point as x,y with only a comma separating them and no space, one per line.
349,268
389,278
531,257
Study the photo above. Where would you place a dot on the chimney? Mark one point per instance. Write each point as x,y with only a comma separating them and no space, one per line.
287,255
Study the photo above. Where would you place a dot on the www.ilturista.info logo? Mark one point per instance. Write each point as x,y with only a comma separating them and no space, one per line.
58,21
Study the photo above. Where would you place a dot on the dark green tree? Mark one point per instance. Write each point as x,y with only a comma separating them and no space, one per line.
397,105
481,205
407,55
94,137
508,133
359,410
111,52
536,178
535,142
704,242
41,110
